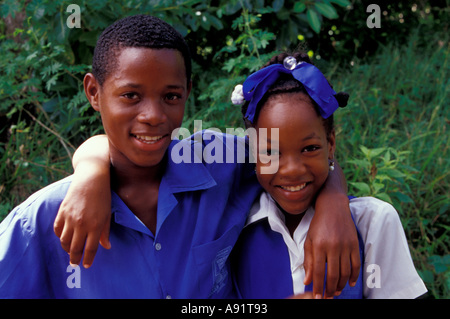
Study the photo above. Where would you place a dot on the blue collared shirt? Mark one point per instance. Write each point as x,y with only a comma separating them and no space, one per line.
202,208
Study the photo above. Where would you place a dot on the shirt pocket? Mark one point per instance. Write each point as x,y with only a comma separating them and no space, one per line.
213,265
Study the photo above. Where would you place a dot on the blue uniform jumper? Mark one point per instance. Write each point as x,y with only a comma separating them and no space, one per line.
262,269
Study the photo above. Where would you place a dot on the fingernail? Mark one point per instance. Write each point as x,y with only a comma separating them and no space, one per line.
352,284
318,296
337,293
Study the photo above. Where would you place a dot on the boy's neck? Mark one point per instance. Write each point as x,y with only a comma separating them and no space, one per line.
134,176
139,188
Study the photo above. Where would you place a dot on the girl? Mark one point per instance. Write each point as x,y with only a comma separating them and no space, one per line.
292,96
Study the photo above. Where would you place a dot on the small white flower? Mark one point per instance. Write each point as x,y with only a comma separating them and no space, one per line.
237,97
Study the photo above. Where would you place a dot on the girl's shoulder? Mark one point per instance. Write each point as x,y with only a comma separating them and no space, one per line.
373,215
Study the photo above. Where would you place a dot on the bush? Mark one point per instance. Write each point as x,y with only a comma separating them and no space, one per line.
392,138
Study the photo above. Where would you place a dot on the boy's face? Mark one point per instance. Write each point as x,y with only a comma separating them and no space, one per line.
141,102
303,151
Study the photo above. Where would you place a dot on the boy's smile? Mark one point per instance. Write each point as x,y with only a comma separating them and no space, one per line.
303,151
142,101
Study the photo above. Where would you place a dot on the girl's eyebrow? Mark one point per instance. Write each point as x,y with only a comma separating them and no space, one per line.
310,136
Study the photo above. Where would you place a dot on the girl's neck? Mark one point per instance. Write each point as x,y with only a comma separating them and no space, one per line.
291,220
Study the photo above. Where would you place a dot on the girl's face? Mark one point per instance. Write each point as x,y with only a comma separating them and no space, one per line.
303,151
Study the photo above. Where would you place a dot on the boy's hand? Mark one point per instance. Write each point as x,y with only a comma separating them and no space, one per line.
332,242
337,246
306,295
84,216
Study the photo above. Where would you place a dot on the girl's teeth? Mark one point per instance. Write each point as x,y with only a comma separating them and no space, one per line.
293,188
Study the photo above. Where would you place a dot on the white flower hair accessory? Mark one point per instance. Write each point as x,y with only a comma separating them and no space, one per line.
237,97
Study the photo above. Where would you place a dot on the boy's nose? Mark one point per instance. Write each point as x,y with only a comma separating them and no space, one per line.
152,114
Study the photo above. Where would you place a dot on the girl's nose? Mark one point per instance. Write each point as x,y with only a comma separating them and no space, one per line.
291,167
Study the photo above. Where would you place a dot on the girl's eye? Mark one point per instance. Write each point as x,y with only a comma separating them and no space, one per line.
270,152
311,148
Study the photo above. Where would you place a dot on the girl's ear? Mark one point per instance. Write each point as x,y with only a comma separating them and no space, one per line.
331,144
92,89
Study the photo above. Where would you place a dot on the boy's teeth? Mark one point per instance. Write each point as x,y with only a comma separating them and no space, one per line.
294,188
148,138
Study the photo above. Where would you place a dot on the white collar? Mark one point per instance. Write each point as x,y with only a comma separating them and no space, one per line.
267,208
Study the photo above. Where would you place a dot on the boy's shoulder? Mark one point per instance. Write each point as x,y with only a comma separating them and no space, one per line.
50,193
210,147
44,202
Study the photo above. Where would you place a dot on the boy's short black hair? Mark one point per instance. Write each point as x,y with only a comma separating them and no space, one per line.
141,31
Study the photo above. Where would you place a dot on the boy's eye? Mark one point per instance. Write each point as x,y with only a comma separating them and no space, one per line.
173,96
131,96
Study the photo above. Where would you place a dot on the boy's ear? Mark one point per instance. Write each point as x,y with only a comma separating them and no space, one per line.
92,89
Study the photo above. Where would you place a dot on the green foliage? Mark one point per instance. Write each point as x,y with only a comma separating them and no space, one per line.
383,169
392,139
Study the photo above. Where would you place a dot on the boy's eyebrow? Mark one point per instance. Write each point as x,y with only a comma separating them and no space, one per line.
138,86
132,85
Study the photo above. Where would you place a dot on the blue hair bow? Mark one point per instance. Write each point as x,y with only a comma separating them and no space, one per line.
315,83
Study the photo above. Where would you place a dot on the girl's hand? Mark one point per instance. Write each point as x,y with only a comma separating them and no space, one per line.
84,216
332,241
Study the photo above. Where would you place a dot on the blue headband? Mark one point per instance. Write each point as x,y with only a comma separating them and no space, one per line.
317,86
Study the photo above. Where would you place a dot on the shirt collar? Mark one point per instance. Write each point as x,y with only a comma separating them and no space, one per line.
178,177
266,207
182,177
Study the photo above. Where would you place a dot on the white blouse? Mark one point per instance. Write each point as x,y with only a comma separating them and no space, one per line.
388,270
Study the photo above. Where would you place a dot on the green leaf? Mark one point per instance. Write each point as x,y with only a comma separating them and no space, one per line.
403,198
362,187
313,20
215,22
385,197
326,10
277,5
299,7
342,3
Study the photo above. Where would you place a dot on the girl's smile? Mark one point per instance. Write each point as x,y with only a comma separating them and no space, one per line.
303,153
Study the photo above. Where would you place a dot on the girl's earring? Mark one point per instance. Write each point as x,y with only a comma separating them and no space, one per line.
331,165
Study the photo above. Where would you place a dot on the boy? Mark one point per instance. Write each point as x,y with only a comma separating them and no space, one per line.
172,225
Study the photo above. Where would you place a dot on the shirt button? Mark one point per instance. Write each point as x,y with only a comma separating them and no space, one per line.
158,246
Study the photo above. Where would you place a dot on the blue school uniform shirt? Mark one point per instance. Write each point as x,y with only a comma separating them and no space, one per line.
202,208
261,265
